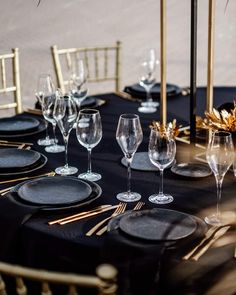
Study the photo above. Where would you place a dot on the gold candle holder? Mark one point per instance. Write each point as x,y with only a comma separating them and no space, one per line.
211,29
163,104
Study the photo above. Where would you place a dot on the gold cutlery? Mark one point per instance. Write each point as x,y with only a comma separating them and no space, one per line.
99,208
209,234
88,215
120,209
15,142
5,190
138,206
211,241
127,96
52,173
34,111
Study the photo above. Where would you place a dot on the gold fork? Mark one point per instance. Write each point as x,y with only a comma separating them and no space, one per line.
120,209
138,206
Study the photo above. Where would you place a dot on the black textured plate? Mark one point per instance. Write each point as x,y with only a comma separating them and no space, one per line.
142,162
16,125
38,165
138,90
95,194
13,160
195,170
158,225
41,127
54,191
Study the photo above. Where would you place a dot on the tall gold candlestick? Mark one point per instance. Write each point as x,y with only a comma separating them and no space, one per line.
163,104
211,29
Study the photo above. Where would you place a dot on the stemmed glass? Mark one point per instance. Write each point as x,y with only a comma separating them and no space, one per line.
89,134
79,87
220,156
147,81
129,135
48,101
161,152
41,89
65,114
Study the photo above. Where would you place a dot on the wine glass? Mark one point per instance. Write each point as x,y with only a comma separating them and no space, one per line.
161,152
220,156
79,87
147,81
41,89
89,134
129,135
65,114
48,101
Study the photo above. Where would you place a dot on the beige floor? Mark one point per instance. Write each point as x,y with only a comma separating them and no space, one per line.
81,23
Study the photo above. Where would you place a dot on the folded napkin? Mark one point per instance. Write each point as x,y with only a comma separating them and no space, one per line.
13,215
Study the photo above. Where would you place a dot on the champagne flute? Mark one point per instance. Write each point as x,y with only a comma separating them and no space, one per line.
129,135
41,89
89,134
48,101
79,87
147,81
161,152
220,156
65,114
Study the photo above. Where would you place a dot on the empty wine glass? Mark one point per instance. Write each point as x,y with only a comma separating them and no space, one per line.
220,156
161,152
79,87
129,135
48,101
89,134
147,81
65,114
41,89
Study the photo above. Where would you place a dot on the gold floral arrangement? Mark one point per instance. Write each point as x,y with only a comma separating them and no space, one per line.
216,120
169,127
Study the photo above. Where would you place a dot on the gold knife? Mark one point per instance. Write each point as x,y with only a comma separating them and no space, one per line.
27,177
217,235
88,215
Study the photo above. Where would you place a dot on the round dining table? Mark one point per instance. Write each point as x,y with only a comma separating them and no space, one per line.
144,266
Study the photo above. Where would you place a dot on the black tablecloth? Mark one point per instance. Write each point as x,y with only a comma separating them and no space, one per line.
145,269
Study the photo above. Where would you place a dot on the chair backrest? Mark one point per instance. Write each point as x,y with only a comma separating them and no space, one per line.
103,63
10,80
104,280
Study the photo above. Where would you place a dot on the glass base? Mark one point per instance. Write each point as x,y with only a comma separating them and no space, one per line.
66,170
128,197
55,148
90,176
150,104
147,110
160,199
45,141
226,217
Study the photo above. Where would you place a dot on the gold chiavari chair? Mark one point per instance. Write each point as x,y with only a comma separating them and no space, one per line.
104,281
103,63
10,80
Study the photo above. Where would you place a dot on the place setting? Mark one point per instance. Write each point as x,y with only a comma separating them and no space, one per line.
14,127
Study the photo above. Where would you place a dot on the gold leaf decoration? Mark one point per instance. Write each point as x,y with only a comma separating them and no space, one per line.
162,128
216,120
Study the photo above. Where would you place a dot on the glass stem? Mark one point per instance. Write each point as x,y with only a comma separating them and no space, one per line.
129,160
161,183
89,161
219,182
46,130
66,150
149,97
54,133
